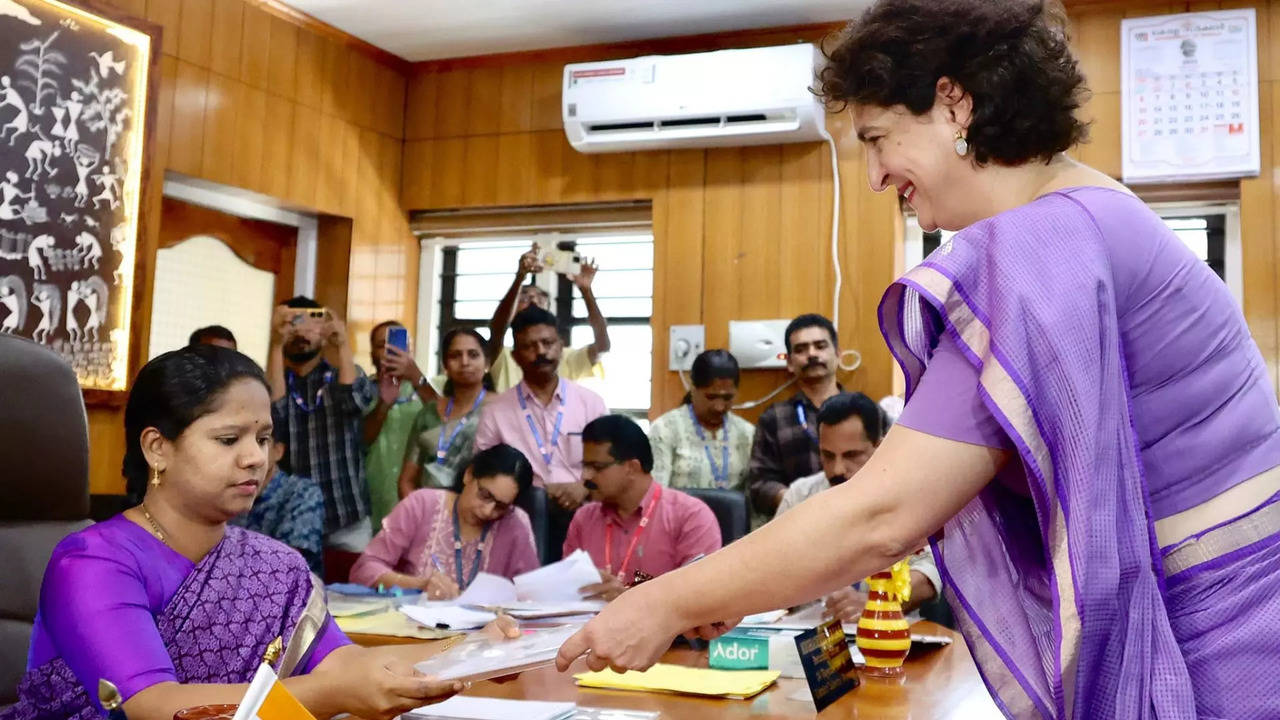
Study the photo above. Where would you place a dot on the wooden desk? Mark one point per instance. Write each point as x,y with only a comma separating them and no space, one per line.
940,684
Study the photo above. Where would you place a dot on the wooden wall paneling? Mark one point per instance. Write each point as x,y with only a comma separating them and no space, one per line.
678,244
722,235
252,128
255,48
277,146
134,8
548,186
226,33
186,144
615,173
422,97
396,97
417,173
484,93
329,162
333,261
282,59
449,172
650,182
546,112
579,173
515,99
168,15
333,77
304,168
1096,41
1103,148
106,450
357,100
367,171
452,103
516,170
164,110
221,106
349,187
480,168
194,38
869,269
761,217
805,228
309,70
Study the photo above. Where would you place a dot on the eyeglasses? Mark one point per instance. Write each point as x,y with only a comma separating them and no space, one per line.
596,467
486,497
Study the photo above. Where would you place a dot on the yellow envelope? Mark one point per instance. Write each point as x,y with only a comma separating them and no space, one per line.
734,684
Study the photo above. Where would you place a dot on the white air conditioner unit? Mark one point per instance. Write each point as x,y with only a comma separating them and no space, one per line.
754,96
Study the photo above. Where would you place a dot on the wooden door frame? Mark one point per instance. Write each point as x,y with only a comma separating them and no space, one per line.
180,220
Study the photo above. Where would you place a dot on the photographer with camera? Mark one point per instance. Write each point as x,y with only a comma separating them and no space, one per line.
576,363
320,396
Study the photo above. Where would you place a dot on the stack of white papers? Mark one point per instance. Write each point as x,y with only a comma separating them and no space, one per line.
559,581
448,616
461,707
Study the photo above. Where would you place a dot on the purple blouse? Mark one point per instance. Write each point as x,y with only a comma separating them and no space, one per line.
1203,410
102,591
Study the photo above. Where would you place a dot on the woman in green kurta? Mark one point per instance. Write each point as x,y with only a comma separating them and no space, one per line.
443,436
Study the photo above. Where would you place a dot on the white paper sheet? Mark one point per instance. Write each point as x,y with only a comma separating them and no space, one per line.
560,581
449,616
461,707
488,589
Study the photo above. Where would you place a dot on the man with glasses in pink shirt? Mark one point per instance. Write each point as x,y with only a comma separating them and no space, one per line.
635,528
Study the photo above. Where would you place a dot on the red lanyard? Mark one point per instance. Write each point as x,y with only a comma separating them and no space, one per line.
608,536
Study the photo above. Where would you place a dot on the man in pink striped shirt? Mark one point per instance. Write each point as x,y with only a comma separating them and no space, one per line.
543,415
635,528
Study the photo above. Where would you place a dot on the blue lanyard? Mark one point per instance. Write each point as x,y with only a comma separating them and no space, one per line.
457,549
297,399
442,445
719,475
804,421
546,450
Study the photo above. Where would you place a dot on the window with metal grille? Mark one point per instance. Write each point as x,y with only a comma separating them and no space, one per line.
475,274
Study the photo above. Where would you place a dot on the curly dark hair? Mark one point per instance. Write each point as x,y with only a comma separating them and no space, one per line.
1011,57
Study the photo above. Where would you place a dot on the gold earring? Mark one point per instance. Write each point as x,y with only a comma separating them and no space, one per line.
155,477
962,144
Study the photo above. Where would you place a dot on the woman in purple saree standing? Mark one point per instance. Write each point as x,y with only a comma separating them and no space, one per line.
1091,437
172,605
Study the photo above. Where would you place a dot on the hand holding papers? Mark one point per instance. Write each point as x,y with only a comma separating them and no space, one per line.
481,656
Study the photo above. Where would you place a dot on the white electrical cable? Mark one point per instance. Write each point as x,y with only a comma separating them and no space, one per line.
835,229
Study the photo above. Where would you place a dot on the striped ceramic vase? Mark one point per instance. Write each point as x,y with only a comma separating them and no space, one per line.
883,635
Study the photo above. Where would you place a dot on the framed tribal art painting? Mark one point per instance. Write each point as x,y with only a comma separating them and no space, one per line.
75,87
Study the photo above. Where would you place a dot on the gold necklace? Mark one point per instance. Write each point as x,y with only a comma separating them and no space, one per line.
156,529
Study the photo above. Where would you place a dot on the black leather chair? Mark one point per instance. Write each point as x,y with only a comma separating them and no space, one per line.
730,508
44,453
550,524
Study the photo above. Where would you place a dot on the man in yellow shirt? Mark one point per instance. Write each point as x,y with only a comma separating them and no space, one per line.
576,363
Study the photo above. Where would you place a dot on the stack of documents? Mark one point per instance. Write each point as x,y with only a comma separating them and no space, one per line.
390,623
732,684
448,616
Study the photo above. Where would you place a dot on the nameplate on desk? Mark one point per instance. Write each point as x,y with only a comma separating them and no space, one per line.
828,667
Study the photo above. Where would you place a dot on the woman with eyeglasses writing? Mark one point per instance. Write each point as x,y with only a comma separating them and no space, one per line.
440,540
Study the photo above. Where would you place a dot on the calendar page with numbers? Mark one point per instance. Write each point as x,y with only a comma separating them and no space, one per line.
1190,96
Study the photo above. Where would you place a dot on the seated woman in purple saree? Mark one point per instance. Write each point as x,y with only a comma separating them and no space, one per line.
175,607
1091,437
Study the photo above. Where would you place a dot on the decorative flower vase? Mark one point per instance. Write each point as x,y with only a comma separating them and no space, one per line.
883,634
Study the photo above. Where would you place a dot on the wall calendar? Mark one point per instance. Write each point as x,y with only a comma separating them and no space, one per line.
1189,96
